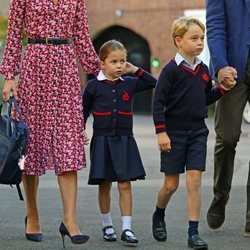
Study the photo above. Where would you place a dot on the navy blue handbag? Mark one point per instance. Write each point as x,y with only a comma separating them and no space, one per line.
13,141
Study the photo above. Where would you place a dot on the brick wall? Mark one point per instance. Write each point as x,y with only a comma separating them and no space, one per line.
150,19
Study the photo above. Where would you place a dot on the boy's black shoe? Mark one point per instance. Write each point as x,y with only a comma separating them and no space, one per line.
129,239
216,214
108,237
159,229
196,242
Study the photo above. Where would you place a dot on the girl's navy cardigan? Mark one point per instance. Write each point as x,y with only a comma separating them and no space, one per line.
111,103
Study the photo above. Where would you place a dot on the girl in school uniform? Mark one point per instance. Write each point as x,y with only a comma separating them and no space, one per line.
114,153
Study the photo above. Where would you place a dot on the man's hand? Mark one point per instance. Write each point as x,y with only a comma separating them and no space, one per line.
9,86
227,77
164,142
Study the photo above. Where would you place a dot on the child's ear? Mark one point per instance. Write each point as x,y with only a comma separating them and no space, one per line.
177,41
102,64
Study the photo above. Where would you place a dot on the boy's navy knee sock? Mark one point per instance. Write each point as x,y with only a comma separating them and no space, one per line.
159,214
193,228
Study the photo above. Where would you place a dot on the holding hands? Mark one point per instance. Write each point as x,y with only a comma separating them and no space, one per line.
227,77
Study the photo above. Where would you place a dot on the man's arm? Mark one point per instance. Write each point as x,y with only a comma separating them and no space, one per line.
216,34
217,42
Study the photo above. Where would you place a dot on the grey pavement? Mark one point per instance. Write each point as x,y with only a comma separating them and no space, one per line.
229,236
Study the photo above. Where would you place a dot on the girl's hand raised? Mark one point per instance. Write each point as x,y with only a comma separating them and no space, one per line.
130,68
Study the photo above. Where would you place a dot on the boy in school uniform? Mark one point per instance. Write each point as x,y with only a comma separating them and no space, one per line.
183,91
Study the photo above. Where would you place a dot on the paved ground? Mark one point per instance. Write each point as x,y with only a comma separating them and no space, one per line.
12,211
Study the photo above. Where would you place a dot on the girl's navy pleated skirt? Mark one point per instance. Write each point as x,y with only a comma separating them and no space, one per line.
114,158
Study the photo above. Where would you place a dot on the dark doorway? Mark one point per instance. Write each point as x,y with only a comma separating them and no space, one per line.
138,54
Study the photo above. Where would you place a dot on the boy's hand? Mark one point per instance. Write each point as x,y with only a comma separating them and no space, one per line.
164,142
227,86
223,87
130,68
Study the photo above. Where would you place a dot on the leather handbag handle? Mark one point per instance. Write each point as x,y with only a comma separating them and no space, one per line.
6,113
13,100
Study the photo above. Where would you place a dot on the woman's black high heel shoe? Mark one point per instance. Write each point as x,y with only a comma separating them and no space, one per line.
33,237
76,239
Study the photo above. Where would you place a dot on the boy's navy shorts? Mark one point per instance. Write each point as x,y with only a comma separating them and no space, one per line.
188,151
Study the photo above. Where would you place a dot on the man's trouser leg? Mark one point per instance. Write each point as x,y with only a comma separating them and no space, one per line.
247,228
228,119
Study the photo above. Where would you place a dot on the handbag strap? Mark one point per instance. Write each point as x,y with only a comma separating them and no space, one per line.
12,100
6,113
19,192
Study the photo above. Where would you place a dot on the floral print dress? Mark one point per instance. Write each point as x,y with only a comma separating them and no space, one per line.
49,89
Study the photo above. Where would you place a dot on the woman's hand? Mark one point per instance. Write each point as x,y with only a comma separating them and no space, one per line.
9,86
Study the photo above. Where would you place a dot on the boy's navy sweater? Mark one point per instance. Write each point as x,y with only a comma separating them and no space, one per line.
111,103
181,97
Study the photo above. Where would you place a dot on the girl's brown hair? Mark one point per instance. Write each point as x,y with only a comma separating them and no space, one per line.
107,47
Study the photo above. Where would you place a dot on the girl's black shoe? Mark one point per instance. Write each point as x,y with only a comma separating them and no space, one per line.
109,237
128,238
33,237
76,239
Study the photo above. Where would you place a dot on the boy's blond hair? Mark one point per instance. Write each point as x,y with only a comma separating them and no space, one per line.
109,46
180,26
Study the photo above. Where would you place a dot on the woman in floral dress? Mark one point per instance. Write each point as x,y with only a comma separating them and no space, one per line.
49,96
